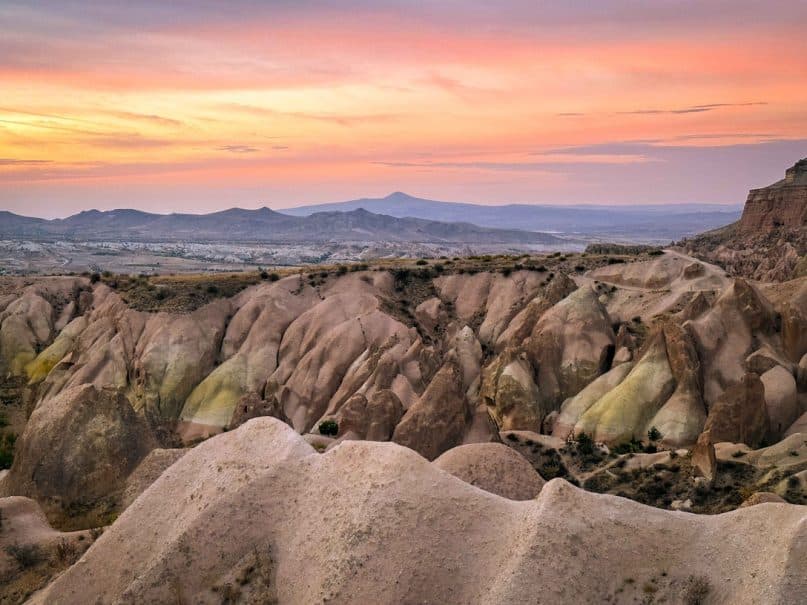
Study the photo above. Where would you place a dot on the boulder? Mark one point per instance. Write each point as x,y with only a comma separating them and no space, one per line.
493,467
781,400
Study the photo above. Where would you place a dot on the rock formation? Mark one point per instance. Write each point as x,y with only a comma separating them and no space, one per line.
256,515
769,242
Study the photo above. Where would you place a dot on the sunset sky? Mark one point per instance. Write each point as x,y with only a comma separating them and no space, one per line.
203,105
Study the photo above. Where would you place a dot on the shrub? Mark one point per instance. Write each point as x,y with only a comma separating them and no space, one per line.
421,262
341,270
696,591
7,442
212,289
654,434
506,271
585,444
95,278
26,555
264,275
66,551
328,427
274,277
628,447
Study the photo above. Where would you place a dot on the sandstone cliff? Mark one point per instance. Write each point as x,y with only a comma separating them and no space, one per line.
769,242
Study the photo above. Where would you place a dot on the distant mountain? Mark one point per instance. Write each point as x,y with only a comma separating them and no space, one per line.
639,222
262,225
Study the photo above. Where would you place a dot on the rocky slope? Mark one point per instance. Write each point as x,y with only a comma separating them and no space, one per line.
430,359
575,370
769,242
257,516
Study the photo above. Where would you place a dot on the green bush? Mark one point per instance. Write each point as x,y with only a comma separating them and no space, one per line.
629,447
585,444
329,428
654,434
421,262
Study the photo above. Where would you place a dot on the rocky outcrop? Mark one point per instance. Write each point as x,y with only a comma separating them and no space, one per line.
571,345
769,242
510,393
781,205
78,448
374,419
727,334
704,461
740,414
661,390
437,421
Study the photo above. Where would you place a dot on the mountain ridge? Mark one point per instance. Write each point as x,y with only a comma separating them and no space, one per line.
263,225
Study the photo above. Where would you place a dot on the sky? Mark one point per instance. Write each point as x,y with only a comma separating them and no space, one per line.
200,105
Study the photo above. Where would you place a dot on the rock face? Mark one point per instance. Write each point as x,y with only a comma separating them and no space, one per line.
740,415
428,359
437,421
234,517
769,242
704,461
661,390
781,205
78,448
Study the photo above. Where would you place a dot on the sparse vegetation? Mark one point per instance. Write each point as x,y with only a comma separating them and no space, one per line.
26,555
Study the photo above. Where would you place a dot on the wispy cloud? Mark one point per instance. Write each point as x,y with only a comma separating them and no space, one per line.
22,162
238,149
141,117
690,109
340,119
